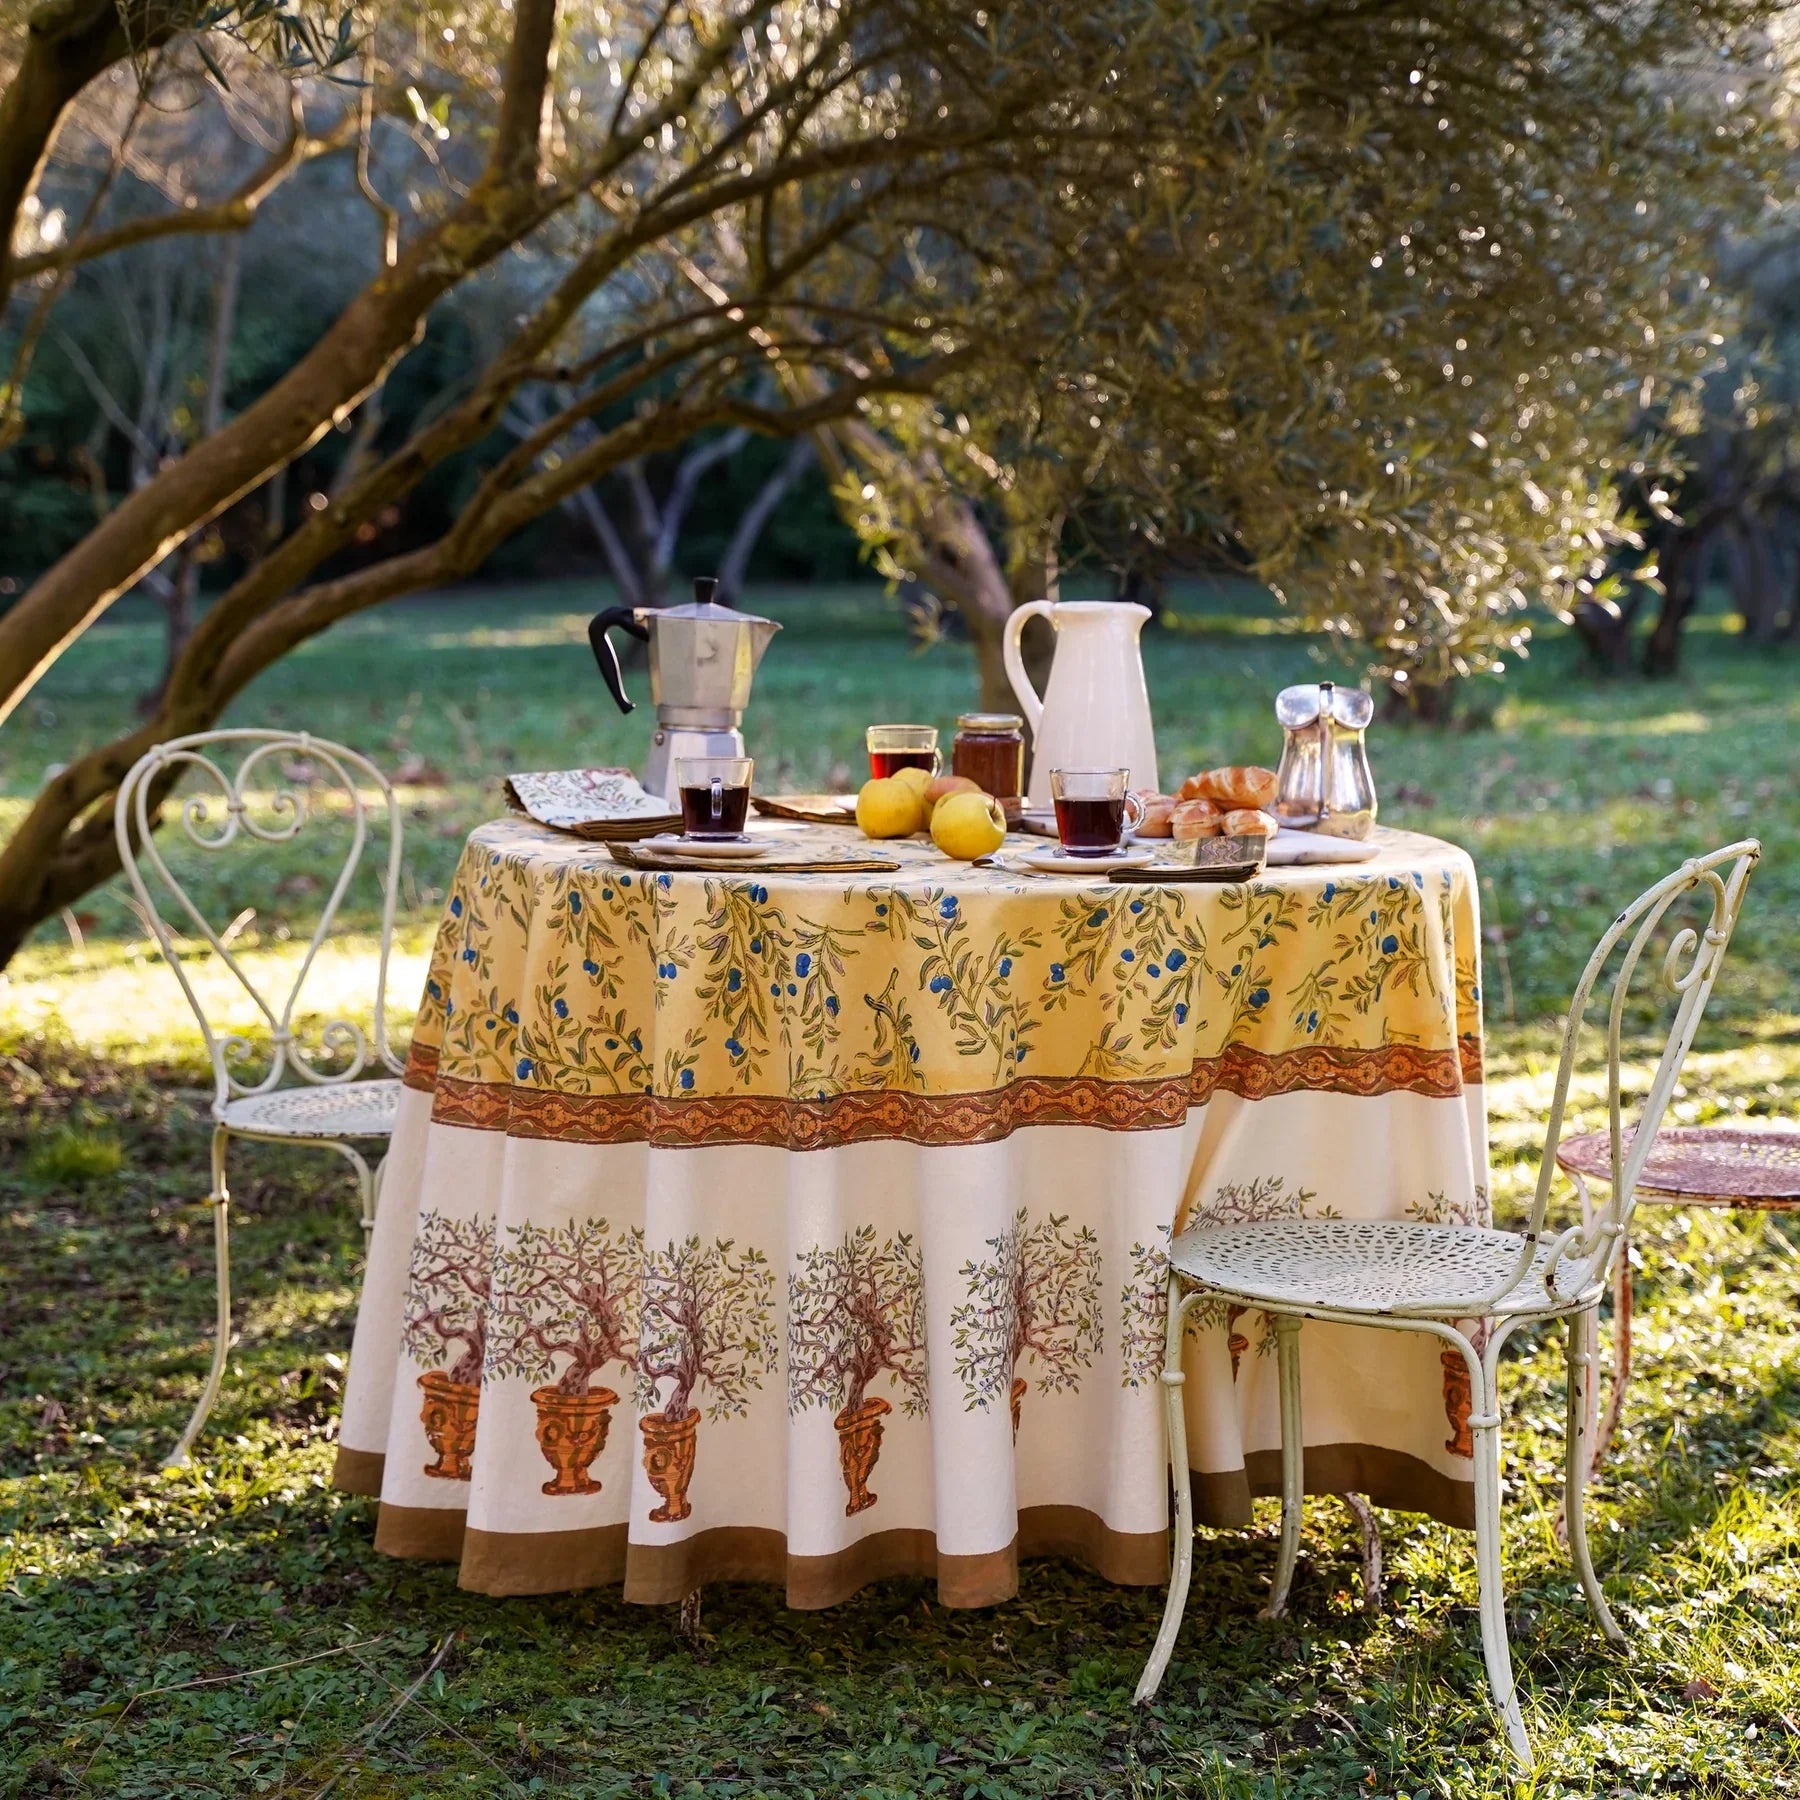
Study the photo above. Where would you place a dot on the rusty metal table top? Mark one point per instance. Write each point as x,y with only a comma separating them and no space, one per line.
1703,1165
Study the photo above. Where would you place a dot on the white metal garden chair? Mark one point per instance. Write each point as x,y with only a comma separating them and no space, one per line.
1472,1288
297,1097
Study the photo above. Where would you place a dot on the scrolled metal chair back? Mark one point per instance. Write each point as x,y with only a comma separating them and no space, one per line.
219,815
1688,969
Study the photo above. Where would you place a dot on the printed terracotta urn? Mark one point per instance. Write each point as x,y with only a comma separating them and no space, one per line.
571,1432
1020,1384
448,1416
1459,1400
859,1444
1235,1340
669,1446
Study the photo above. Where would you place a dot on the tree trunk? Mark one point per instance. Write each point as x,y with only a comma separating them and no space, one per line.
1605,631
349,360
1422,702
67,44
1683,560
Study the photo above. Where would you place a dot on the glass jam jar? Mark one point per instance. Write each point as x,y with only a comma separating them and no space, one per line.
990,750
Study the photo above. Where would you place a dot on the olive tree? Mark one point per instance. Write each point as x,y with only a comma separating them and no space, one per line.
1406,318
844,149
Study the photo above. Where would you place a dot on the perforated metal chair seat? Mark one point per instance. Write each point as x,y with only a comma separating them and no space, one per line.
351,1109
1373,1266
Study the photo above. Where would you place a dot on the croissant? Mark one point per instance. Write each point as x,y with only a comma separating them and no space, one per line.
1239,785
1196,819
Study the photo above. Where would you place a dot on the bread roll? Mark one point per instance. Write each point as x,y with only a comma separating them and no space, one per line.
1195,819
1157,808
1238,786
1249,821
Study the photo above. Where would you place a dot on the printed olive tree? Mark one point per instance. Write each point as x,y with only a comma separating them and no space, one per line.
1038,1294
447,1286
856,1312
707,1326
566,1295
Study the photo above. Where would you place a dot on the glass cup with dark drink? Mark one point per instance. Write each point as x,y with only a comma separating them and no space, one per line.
715,795
1093,809
896,747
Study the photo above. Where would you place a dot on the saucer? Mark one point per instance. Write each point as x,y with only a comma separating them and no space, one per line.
1060,862
737,849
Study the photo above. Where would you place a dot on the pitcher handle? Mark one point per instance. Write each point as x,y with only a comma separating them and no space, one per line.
1031,702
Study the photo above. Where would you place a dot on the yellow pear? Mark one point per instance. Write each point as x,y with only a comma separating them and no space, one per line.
968,825
889,808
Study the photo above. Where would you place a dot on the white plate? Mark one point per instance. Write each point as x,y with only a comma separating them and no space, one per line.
742,849
1287,849
1059,862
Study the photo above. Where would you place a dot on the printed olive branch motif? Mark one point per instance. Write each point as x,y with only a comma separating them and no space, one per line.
1038,1294
447,1285
856,1311
1438,1209
705,1322
742,943
1110,1056
1381,930
892,1061
573,918
1241,968
585,1055
818,965
972,984
567,1293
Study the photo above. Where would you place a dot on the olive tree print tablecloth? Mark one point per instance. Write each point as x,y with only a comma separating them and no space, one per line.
811,1228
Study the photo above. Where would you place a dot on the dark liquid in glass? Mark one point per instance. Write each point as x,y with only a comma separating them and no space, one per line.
697,811
883,763
1090,827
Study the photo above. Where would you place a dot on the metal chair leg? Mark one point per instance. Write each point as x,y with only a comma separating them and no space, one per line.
1293,1461
1484,1427
1373,1584
1182,1570
220,1202
1615,1405
1576,1465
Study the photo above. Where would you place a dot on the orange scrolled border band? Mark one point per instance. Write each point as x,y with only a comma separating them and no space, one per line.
936,1119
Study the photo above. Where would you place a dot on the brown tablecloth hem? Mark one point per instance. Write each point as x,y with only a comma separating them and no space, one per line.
358,1471
548,1562
1389,1478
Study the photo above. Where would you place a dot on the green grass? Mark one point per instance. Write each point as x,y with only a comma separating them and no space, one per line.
154,1628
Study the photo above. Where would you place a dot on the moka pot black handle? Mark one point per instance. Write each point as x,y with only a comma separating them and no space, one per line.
606,656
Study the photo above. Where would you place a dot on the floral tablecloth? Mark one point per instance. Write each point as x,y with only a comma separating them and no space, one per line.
811,1227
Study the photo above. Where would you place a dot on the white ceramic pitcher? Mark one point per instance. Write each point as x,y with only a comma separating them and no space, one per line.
1096,712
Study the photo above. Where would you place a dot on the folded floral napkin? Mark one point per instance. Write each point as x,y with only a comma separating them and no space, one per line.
606,804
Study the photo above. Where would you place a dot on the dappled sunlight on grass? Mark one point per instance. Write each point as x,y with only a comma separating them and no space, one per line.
122,1001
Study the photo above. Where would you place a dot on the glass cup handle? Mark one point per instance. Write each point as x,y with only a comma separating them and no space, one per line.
718,800
937,763
1134,812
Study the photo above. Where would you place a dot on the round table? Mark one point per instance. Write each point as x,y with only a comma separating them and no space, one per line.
1755,1168
811,1227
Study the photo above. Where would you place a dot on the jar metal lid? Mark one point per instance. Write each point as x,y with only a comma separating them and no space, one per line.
989,724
